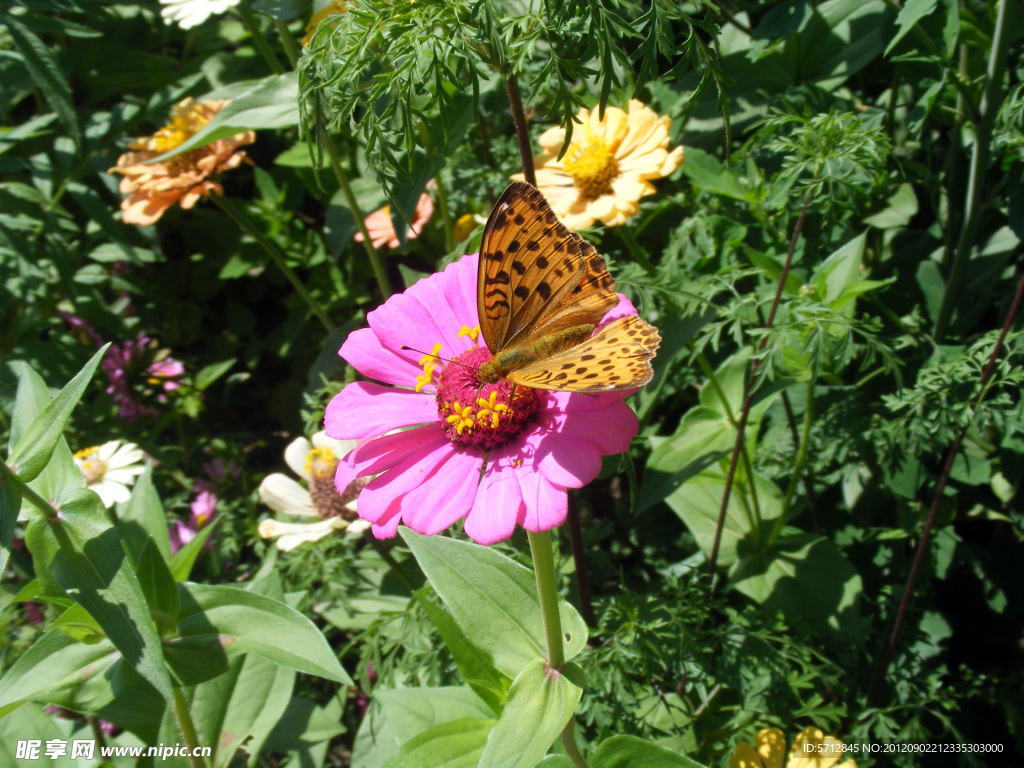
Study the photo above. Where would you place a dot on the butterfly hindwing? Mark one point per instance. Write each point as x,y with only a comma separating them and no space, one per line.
617,357
536,277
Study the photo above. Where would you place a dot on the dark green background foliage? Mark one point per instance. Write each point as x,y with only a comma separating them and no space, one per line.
881,144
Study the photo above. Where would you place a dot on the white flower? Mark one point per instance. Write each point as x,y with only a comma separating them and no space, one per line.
111,469
316,464
191,13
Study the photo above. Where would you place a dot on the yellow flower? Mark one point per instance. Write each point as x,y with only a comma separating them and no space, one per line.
607,167
811,749
184,178
331,8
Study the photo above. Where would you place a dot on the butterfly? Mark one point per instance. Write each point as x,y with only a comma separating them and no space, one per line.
541,292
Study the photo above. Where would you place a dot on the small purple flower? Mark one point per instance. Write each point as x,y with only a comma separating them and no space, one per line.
203,509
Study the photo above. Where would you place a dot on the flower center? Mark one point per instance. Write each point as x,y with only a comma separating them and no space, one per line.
188,118
321,464
593,167
91,465
484,416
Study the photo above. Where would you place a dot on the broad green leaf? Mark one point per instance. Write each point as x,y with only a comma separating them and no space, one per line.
457,744
272,102
303,725
480,675
141,520
540,703
46,73
699,501
59,670
10,506
397,715
83,552
841,38
33,450
240,707
60,475
911,13
633,752
282,10
707,173
30,722
185,558
900,209
159,588
221,621
76,622
839,270
493,600
806,576
210,373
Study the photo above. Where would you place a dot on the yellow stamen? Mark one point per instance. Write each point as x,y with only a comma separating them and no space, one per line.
321,463
592,165
467,331
489,407
429,363
462,418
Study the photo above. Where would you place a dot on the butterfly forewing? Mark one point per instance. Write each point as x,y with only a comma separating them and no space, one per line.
616,357
536,277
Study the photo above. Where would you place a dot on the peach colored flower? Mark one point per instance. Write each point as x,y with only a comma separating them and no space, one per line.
382,231
152,189
607,167
324,9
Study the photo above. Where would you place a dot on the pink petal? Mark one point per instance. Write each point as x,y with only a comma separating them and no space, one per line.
622,309
364,409
610,429
446,497
499,503
545,505
566,460
374,456
365,352
383,495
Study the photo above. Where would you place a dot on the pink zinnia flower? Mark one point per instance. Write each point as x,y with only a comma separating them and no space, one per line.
166,373
382,230
203,507
530,445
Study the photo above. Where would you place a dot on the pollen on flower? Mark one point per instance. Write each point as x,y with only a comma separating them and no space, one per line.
493,414
592,166
90,464
467,331
321,463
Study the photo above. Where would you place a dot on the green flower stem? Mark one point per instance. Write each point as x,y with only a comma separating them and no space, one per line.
187,727
236,215
626,235
515,101
346,189
755,519
29,495
291,50
446,216
801,457
258,39
547,592
976,189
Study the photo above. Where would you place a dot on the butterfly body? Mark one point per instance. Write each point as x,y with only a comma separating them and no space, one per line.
541,292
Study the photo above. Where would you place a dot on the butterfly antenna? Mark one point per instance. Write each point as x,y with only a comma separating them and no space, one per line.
446,360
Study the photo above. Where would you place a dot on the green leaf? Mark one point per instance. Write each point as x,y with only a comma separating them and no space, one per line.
900,209
841,38
493,600
282,10
215,621
482,677
159,588
210,373
141,521
806,576
240,707
705,172
303,725
699,501
911,13
46,74
10,506
840,270
83,552
185,558
633,752
33,450
271,102
59,670
30,722
540,703
457,744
